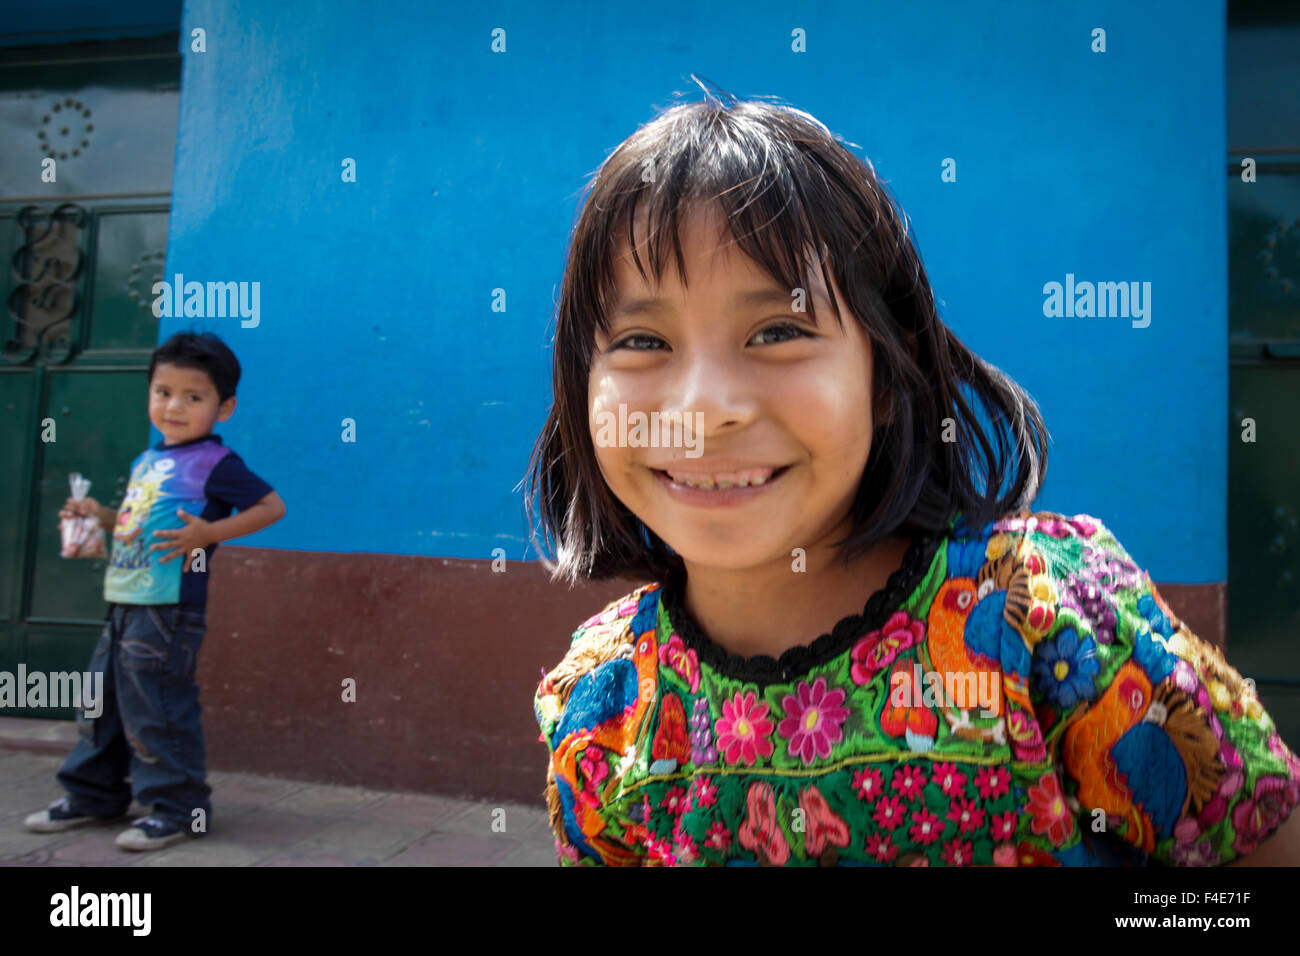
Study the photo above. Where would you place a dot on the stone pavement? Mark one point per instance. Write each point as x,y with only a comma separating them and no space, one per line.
265,821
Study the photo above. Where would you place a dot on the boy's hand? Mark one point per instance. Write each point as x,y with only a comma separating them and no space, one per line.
183,541
73,508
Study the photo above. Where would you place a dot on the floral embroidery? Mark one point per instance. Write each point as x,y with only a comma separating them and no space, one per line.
685,664
718,839
867,783
900,717
685,850
992,781
926,827
1058,526
966,815
705,792
676,802
822,825
702,749
1111,570
665,755
744,730
1050,814
1064,668
1030,855
1026,737
1257,817
1191,848
670,740
957,853
594,768
949,778
878,649
1004,825
909,781
880,848
889,813
1088,601
761,832
813,720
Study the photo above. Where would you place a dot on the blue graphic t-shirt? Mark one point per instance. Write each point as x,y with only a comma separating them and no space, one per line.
203,477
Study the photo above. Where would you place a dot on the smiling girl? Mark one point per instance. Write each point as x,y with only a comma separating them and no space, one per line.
990,685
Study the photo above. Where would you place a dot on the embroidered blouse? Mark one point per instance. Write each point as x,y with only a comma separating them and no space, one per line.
1018,695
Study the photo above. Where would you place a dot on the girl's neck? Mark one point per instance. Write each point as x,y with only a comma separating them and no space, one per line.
769,610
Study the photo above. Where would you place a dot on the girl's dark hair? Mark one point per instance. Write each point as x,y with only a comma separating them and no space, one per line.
786,187
202,351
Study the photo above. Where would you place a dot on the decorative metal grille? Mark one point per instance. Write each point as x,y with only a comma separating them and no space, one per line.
47,270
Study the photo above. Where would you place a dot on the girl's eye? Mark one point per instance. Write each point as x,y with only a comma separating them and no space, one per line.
797,330
636,338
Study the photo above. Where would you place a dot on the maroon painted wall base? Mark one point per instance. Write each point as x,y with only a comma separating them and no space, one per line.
445,654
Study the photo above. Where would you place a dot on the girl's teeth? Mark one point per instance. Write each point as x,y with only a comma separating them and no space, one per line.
743,479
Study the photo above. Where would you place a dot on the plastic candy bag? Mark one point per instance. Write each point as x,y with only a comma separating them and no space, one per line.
82,535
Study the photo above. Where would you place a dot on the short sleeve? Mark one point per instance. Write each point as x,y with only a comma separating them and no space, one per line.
231,483
1155,729
585,710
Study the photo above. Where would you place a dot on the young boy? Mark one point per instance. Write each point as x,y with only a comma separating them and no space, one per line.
177,507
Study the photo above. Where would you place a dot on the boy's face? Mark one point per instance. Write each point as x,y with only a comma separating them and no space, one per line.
183,403
770,399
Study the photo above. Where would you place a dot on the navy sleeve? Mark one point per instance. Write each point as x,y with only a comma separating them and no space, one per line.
233,485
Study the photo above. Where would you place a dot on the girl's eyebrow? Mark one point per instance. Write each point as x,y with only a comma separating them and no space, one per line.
741,300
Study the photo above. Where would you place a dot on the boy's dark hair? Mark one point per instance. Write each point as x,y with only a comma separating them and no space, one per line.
786,187
202,351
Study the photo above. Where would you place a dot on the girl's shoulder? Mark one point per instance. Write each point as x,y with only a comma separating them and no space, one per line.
589,709
607,636
1022,522
1044,544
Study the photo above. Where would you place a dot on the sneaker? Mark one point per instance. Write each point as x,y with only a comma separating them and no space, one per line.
60,816
151,833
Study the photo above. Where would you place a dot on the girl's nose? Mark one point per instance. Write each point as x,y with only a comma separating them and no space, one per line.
720,389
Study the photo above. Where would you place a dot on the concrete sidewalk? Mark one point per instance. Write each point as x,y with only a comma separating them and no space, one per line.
265,821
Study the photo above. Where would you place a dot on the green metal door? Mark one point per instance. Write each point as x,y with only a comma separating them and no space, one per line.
82,253
1264,370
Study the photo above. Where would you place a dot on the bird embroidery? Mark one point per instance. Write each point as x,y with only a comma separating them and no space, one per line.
1143,755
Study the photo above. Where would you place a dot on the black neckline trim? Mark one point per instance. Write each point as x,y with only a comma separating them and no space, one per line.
795,662
210,436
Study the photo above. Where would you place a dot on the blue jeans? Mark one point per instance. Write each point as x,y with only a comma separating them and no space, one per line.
149,725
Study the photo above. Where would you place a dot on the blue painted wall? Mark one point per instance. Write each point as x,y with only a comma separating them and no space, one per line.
376,297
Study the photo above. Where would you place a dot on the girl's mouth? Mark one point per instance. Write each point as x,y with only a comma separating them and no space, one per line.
707,493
